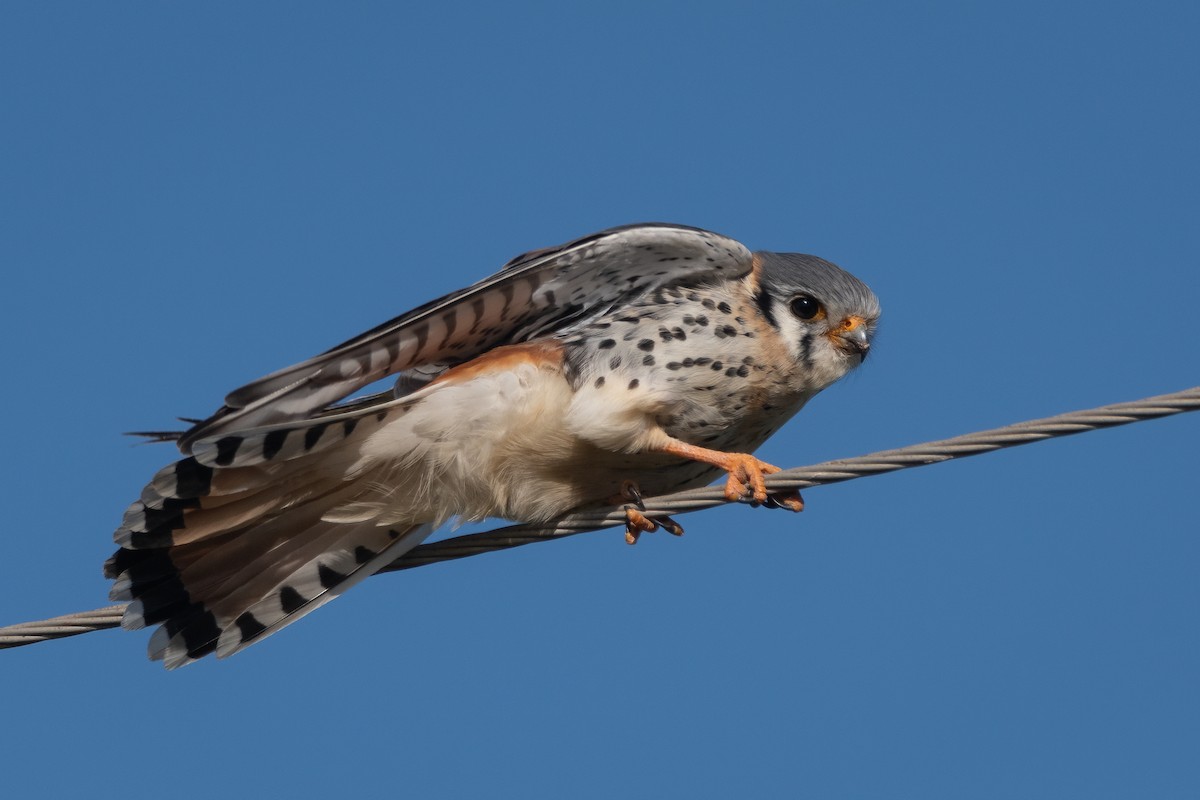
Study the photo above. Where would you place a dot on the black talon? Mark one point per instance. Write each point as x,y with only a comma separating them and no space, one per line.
773,501
631,491
669,525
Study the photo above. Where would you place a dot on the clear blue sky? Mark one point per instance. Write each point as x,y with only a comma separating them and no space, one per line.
193,196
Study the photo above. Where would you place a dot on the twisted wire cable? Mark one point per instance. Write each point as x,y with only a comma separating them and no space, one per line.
698,499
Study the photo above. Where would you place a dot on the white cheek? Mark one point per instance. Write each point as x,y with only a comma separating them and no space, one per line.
824,363
792,331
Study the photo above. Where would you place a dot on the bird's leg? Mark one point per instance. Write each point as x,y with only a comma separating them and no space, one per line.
637,523
745,474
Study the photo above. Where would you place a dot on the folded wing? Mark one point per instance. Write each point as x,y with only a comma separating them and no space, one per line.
535,294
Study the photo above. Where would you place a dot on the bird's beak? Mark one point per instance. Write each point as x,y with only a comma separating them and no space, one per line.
851,337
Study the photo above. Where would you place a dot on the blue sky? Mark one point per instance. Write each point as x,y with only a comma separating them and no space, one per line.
191,197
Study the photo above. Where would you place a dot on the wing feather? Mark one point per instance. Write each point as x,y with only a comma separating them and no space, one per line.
537,294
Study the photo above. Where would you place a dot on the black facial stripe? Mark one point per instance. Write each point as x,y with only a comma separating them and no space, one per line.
763,299
806,349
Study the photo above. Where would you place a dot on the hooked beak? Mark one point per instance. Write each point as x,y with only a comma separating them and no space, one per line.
851,337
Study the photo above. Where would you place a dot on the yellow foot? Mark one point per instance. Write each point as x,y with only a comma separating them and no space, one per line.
746,477
745,481
637,523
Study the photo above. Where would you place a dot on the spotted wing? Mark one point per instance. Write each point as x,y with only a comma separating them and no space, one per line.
535,294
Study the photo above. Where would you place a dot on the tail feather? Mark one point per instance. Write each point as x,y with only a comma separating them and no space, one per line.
188,479
183,504
220,552
274,443
280,597
318,582
236,573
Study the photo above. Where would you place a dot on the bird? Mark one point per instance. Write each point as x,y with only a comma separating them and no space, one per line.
632,362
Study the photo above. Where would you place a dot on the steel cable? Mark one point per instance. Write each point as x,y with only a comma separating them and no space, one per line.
700,499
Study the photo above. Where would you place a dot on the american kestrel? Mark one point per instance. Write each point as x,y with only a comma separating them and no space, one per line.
639,360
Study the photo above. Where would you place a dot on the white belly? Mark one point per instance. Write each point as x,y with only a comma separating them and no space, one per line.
520,444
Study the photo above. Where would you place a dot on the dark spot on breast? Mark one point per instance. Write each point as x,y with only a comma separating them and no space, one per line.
648,361
599,382
633,384
646,344
678,333
709,304
674,365
717,366
724,307
614,362
607,344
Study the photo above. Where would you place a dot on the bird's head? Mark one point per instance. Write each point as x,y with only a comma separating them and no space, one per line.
825,315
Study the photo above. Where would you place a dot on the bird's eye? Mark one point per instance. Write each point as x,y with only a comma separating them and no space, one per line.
806,307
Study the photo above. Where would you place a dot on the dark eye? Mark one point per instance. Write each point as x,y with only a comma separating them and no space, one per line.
806,307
